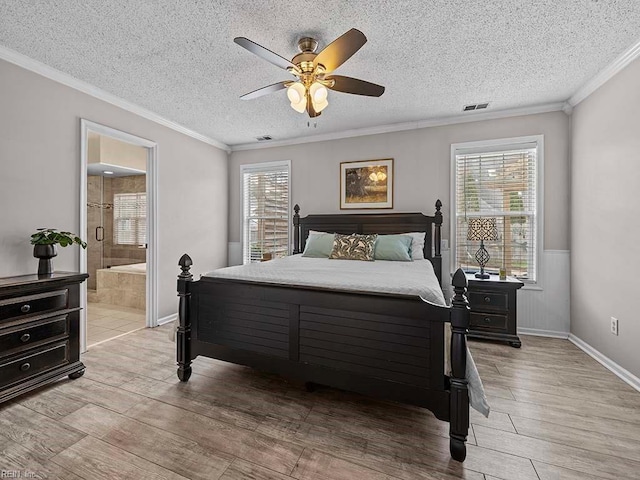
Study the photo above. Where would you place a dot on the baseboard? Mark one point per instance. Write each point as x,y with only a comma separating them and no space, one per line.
167,319
605,361
537,332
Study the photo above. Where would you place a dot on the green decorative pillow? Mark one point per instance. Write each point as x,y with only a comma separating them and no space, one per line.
396,248
353,247
319,245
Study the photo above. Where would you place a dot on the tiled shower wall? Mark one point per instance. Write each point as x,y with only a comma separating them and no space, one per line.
105,254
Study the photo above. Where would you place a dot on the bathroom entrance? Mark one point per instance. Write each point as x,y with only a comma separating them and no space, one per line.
117,219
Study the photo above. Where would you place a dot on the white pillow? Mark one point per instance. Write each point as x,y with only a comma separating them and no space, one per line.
417,244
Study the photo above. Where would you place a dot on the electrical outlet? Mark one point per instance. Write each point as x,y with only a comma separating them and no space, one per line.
614,326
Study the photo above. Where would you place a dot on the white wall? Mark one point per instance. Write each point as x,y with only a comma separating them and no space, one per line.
605,214
40,169
422,170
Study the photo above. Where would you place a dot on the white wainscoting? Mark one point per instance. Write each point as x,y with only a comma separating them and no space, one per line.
545,311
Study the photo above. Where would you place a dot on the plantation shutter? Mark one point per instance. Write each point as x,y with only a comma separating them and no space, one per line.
266,211
501,185
130,218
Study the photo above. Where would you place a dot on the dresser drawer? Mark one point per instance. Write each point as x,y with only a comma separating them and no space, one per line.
488,321
34,363
33,304
26,336
488,300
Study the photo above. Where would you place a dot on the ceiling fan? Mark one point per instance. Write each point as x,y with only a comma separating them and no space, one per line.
309,90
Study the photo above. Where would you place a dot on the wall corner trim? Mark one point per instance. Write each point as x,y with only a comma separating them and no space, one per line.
51,73
608,72
167,319
605,361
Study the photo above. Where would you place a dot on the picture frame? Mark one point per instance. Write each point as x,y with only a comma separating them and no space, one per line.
366,184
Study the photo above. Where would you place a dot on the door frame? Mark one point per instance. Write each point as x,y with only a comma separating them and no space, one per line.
87,126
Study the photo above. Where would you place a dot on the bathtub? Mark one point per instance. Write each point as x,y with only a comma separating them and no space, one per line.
133,268
123,285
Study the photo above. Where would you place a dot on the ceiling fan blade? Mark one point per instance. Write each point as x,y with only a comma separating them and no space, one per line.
355,86
265,90
310,110
341,49
264,53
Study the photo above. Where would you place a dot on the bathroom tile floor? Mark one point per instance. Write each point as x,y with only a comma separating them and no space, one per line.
105,321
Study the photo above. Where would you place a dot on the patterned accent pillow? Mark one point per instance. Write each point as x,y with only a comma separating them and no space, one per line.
354,247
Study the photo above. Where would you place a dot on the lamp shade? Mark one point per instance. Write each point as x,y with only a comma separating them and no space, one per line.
296,93
318,92
482,229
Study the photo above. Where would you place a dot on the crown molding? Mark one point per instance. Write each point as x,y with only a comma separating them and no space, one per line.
51,73
606,74
398,127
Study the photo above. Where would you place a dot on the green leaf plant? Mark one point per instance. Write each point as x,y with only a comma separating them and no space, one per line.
51,236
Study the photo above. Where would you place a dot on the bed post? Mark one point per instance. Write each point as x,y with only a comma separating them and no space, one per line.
437,241
459,395
296,229
183,337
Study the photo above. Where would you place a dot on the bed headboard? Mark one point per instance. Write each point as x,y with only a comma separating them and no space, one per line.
383,223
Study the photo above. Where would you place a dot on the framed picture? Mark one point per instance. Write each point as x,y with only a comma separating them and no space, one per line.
366,184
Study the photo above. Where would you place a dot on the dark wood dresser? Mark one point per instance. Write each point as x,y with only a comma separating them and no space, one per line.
39,331
493,305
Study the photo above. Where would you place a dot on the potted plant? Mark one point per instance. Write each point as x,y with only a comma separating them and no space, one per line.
44,243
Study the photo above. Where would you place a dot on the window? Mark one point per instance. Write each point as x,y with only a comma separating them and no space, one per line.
502,181
266,219
130,218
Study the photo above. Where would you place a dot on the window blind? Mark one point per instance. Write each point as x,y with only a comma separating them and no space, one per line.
266,211
501,185
130,218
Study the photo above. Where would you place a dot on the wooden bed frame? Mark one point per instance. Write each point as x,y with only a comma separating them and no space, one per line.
386,346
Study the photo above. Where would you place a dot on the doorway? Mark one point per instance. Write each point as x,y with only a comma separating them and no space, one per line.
118,219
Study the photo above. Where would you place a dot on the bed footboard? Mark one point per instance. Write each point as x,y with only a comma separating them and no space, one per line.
384,346
183,333
459,396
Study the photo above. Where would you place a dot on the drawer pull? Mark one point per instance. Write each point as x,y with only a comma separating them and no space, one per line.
25,366
25,337
487,320
487,299
25,308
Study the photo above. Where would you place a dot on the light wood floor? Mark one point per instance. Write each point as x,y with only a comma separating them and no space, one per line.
106,321
556,413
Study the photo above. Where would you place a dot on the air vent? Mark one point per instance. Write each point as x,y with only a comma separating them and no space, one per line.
478,106
264,138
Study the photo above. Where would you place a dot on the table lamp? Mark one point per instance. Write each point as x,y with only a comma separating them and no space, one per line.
482,229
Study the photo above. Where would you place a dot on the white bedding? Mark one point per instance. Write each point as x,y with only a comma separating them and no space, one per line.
404,278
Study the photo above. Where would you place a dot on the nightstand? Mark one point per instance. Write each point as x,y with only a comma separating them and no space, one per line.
493,305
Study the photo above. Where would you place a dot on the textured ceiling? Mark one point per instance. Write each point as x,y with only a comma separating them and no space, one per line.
178,59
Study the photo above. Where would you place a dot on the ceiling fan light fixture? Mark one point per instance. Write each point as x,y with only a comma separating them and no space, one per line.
299,107
296,93
318,92
309,91
319,106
